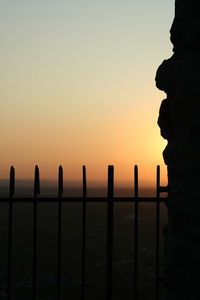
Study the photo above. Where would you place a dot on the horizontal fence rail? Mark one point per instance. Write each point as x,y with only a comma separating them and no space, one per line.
110,200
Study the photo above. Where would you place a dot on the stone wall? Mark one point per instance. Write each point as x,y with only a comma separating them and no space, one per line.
179,120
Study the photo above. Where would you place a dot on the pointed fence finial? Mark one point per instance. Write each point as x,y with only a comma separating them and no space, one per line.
136,181
36,182
110,181
60,181
12,182
157,181
84,182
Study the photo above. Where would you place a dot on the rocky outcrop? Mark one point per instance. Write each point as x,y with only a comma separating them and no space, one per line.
179,120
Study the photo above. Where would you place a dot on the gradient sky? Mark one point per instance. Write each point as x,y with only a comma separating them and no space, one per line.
77,86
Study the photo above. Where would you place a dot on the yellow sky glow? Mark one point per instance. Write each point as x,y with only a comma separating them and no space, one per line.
77,87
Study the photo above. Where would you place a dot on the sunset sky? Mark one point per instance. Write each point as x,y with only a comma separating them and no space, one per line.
77,86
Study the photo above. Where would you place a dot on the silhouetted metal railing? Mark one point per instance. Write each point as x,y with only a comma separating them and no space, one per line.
110,200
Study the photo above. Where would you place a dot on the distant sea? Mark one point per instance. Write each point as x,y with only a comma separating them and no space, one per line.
24,188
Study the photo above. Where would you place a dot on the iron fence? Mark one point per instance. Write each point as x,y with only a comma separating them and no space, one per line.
110,200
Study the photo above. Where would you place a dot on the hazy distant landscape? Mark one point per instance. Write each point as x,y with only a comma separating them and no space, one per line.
71,244
24,188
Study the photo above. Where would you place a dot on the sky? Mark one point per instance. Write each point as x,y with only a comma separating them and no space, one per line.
77,86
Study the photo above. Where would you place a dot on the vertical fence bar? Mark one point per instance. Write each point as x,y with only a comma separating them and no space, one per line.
157,233
136,233
60,192
36,193
110,232
83,233
10,228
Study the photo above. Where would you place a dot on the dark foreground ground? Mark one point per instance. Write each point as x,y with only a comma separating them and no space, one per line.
123,270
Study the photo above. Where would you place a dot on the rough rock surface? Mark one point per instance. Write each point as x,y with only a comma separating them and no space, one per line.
179,120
